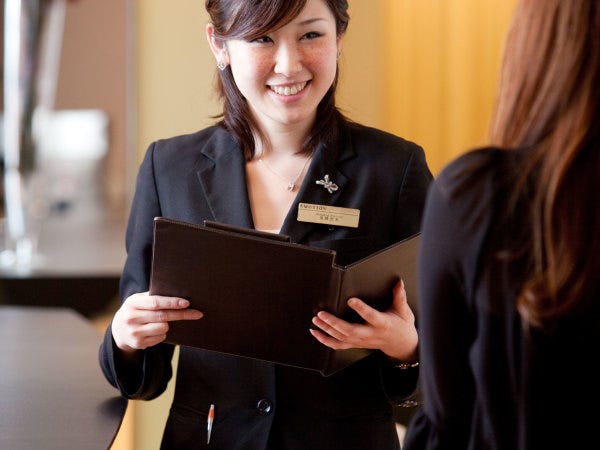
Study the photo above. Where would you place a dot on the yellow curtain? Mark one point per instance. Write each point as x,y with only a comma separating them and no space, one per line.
442,59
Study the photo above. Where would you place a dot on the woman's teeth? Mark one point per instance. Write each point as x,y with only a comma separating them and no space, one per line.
288,90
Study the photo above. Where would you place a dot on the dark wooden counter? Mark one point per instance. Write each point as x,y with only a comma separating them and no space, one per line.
52,392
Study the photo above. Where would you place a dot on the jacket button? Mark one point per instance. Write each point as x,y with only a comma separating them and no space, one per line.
264,407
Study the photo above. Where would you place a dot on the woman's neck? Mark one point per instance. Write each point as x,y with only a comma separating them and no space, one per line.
282,140
274,177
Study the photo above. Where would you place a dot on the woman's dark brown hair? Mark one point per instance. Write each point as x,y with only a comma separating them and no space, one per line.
250,19
548,105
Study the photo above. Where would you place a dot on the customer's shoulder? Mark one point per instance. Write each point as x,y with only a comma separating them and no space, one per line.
473,163
479,172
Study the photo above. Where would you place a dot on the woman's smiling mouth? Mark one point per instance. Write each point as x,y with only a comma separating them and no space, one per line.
289,90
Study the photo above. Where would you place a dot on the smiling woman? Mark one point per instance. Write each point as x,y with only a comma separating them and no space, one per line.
282,74
280,141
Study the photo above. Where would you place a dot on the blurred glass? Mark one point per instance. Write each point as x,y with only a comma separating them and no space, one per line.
32,42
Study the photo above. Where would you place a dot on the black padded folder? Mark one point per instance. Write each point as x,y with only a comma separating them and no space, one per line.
259,292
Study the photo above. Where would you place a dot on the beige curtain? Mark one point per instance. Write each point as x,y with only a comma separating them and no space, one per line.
424,69
443,58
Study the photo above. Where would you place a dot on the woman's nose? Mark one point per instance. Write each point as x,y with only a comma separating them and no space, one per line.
288,60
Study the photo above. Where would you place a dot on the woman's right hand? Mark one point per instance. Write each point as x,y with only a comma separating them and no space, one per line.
143,320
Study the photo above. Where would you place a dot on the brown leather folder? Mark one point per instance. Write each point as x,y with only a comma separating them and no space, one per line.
259,291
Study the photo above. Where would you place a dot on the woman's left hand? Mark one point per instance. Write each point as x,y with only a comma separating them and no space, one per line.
392,331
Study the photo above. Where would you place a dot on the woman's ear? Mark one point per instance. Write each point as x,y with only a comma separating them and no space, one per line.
217,46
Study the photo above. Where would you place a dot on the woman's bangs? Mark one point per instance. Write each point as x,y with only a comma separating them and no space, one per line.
259,17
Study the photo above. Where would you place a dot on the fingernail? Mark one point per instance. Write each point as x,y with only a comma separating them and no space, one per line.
183,303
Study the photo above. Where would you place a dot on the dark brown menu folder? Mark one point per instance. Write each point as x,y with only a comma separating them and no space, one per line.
259,292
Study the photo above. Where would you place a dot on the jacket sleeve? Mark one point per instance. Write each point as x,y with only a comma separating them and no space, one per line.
149,378
399,384
416,179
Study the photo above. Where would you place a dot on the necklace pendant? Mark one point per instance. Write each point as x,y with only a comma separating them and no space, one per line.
291,185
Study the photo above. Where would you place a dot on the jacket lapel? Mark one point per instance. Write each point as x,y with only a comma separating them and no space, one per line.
326,161
222,177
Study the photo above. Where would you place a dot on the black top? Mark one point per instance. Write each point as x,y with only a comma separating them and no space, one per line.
201,177
487,383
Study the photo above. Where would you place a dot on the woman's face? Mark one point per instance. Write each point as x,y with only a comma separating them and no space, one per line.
285,74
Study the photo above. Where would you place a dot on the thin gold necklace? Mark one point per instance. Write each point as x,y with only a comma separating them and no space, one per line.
290,184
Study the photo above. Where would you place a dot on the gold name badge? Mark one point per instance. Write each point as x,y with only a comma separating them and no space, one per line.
329,215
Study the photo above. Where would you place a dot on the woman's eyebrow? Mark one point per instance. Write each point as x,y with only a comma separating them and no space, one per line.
311,21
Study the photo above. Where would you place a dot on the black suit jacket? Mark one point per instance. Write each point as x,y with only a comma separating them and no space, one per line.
201,177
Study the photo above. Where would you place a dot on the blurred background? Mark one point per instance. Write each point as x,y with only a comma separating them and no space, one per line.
132,71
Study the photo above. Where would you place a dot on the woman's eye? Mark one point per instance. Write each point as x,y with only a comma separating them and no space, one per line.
311,35
262,40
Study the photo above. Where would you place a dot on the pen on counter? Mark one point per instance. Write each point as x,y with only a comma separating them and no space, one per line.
209,422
